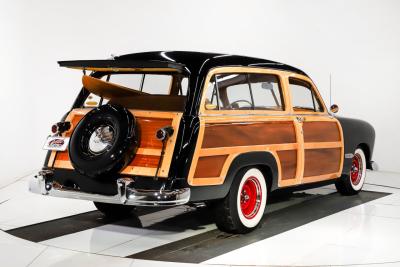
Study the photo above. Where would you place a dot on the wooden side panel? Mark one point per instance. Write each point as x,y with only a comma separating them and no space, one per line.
288,160
210,166
63,155
321,131
248,134
321,161
147,131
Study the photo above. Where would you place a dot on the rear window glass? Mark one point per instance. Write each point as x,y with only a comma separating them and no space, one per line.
146,91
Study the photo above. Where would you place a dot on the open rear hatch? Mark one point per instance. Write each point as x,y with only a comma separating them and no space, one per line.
152,111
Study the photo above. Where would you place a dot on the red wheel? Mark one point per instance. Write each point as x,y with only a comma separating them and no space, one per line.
242,209
355,172
250,197
358,170
353,182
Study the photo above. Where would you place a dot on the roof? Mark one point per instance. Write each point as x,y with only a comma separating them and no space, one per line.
182,61
196,62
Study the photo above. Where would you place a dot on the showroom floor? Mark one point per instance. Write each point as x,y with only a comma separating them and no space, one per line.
314,227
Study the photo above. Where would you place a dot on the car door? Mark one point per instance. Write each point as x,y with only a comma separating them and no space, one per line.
321,132
245,110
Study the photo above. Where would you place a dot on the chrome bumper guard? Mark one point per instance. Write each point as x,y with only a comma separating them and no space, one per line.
126,194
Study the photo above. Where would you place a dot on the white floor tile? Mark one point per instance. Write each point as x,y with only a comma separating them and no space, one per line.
377,209
15,252
96,239
24,208
348,237
64,258
151,239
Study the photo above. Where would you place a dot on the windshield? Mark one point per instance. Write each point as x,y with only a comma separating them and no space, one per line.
146,91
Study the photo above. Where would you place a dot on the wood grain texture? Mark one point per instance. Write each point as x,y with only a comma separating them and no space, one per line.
149,161
147,131
321,161
288,160
210,166
63,155
248,134
321,131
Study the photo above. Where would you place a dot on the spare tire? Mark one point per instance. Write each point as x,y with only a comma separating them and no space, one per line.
104,141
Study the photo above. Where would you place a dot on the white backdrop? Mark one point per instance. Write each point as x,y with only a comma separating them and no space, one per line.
357,41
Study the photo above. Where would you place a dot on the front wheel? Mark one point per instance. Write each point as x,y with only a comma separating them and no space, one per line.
242,209
352,183
114,210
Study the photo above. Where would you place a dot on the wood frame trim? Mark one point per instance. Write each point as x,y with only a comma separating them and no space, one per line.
256,70
230,116
133,170
313,88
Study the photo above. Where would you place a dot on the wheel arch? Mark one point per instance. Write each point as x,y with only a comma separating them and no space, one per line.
264,160
367,151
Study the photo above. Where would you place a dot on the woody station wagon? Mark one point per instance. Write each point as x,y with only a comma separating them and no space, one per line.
174,128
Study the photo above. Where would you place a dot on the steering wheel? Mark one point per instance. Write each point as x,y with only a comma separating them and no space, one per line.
237,101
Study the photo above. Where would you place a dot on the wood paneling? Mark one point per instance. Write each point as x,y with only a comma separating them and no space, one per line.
248,134
288,160
147,131
321,161
145,161
147,127
321,131
74,122
62,155
210,166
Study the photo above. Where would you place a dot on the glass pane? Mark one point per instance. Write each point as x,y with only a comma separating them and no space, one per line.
266,91
303,98
157,84
131,81
233,91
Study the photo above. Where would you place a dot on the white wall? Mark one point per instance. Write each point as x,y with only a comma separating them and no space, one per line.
357,41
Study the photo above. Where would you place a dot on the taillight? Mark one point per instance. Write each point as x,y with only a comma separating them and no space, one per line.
60,127
54,128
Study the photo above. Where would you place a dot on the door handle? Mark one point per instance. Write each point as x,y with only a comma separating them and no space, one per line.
300,119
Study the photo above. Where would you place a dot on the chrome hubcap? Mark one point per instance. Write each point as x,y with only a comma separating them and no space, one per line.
101,139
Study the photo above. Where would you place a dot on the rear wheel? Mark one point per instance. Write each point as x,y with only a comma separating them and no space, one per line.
242,209
353,182
114,210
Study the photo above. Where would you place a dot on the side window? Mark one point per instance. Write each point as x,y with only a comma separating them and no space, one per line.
229,92
266,91
242,91
303,97
234,91
157,84
128,80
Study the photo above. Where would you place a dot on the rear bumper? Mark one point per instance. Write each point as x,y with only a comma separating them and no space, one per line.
127,195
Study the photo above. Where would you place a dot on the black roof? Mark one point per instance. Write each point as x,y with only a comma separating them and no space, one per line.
200,62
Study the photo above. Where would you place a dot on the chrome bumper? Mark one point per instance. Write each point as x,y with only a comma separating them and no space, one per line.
126,194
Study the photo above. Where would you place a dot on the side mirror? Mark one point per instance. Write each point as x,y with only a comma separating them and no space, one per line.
334,108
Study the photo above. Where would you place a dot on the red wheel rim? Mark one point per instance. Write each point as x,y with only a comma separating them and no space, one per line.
250,197
356,170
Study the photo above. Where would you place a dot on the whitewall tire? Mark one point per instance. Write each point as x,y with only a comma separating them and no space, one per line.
251,198
353,182
243,208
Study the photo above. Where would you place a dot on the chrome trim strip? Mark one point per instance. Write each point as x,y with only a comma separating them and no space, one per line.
349,155
264,114
126,194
